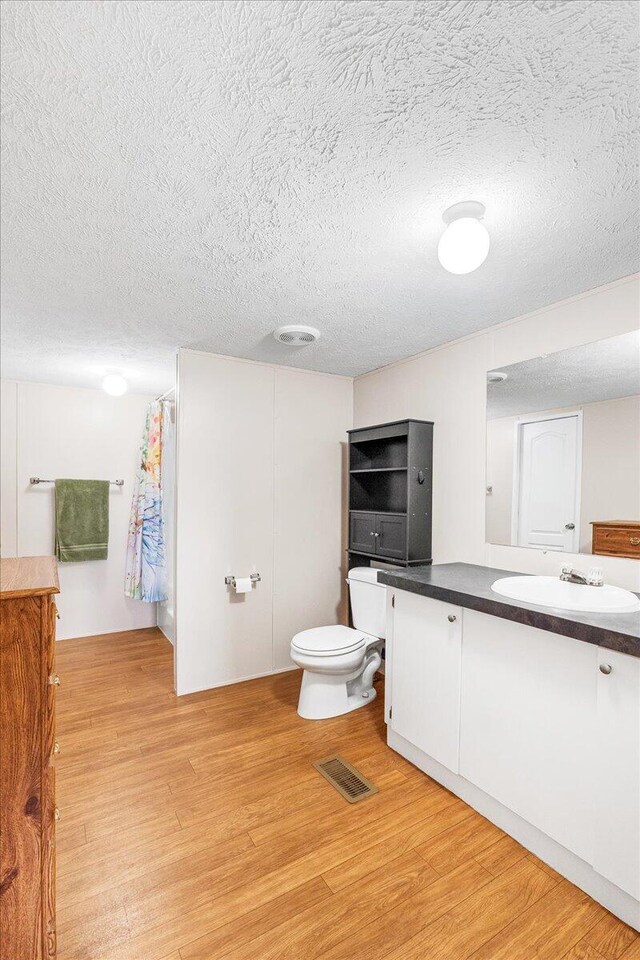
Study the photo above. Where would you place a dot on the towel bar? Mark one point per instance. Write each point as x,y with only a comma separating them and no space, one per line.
118,483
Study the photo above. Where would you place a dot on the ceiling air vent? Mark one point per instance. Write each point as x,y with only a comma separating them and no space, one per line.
296,335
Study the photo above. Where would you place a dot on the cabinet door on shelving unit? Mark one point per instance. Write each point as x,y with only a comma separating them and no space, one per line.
391,536
617,771
425,676
362,528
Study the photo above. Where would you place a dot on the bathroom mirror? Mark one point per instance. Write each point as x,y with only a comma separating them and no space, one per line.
563,450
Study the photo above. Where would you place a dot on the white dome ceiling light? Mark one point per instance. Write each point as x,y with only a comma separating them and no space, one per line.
114,385
296,335
464,245
496,376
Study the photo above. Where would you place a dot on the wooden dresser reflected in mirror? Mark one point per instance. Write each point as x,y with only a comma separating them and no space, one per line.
616,538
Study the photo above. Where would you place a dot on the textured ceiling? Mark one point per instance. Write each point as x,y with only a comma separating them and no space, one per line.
196,173
603,370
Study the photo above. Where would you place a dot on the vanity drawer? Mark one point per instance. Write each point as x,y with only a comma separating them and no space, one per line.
616,540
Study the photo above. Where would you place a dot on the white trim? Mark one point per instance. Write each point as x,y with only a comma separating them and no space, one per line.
230,683
266,363
274,532
150,394
109,633
576,870
577,497
515,484
176,528
517,467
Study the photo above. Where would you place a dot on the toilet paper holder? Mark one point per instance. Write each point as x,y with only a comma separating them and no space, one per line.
231,581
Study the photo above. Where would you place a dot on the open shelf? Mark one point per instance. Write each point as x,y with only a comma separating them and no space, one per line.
375,556
383,513
380,470
380,491
383,454
393,560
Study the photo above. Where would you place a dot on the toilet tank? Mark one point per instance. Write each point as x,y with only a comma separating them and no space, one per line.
368,601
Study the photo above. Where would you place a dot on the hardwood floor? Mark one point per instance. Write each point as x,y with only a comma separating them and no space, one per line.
197,829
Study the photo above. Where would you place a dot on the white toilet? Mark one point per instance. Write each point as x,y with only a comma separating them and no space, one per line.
339,662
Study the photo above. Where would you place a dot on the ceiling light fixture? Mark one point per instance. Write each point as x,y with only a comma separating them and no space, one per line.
114,385
496,376
464,245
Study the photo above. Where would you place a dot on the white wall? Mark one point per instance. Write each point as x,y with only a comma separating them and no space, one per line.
259,489
610,463
73,432
312,416
448,385
610,449
500,444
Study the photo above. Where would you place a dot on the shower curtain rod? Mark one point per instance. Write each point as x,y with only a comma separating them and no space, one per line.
165,394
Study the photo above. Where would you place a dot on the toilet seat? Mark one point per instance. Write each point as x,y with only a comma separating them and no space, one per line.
330,641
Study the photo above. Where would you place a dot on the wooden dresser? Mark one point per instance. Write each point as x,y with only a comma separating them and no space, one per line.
27,749
616,538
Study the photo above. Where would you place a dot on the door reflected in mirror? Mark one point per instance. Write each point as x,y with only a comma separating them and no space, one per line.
563,450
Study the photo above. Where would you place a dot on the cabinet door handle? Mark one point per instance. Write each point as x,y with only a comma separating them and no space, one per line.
56,814
376,534
56,747
605,668
634,540
54,680
451,618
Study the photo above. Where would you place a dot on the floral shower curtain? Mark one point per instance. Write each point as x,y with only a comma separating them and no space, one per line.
145,573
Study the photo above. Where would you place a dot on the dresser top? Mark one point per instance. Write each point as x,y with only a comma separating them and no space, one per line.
28,577
616,523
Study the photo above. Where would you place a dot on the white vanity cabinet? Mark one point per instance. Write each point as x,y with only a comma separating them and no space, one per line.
616,762
425,675
528,700
537,731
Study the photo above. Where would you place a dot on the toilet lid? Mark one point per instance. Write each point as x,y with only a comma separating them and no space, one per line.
329,640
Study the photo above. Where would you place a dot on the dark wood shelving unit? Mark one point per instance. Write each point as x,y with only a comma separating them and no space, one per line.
390,490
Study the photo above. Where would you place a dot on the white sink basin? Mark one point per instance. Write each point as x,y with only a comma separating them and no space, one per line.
553,592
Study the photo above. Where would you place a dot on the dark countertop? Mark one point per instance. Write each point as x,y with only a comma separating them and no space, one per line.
468,585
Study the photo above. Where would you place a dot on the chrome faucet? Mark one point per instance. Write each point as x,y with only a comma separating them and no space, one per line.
593,577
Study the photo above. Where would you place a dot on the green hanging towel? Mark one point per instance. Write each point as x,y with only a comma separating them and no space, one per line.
82,520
